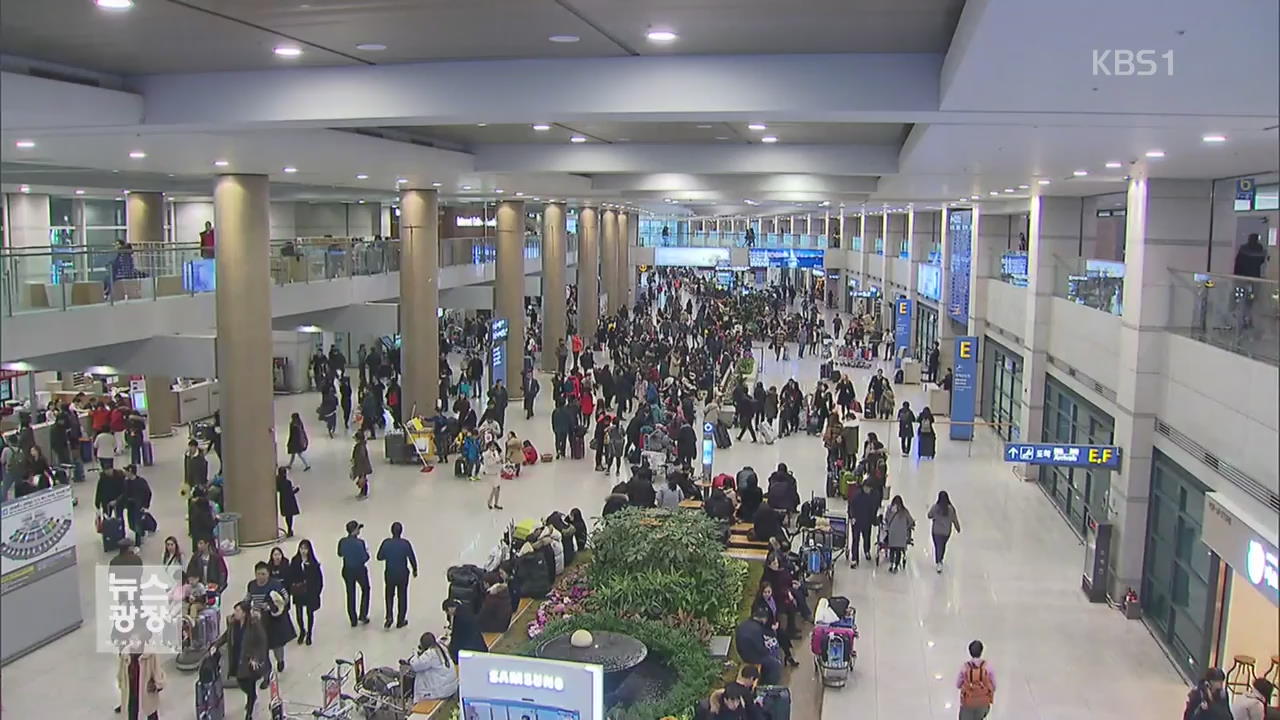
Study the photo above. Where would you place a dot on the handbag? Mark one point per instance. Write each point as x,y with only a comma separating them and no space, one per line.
148,522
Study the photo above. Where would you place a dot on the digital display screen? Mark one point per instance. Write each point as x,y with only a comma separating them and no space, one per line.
513,710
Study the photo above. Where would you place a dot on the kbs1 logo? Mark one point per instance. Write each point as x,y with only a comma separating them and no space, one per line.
1132,63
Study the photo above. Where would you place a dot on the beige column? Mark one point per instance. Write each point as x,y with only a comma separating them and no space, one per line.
144,218
553,285
244,353
508,288
162,405
419,300
609,258
628,238
588,272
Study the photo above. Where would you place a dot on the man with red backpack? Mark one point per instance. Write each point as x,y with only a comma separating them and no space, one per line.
977,685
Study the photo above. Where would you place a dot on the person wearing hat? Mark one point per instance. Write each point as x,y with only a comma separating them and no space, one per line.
355,571
268,596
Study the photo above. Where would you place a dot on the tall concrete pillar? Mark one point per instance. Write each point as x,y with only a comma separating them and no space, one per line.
629,238
27,231
144,218
419,300
508,287
244,353
588,271
553,285
609,220
162,405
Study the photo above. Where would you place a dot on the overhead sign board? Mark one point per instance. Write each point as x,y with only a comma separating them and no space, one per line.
1064,455
690,256
787,257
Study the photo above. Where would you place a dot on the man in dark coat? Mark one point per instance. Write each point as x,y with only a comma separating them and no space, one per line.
500,399
862,512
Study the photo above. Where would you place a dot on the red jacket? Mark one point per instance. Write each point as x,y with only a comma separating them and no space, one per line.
100,418
117,420
587,403
577,344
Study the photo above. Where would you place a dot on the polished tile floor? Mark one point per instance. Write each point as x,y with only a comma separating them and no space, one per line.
1012,579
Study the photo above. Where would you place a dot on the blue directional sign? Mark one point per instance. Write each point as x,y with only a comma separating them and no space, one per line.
1084,456
708,449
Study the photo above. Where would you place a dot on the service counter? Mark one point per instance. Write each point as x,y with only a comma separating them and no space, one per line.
197,401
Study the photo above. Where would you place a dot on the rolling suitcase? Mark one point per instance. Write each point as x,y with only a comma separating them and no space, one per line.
112,533
86,451
768,434
460,468
577,448
148,454
928,445
776,701
396,448
722,437
210,704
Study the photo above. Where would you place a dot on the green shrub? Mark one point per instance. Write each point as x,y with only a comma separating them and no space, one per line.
696,672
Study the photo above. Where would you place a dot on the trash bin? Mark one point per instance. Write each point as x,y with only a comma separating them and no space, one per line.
227,533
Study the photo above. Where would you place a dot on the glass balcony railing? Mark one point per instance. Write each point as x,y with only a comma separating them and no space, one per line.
1237,314
1092,282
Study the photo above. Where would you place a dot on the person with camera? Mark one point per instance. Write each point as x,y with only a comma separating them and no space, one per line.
1209,699
268,596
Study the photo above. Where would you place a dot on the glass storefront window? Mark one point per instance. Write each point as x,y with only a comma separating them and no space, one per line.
1002,389
1068,418
926,330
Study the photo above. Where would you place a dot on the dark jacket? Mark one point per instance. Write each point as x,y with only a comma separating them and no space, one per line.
245,645
641,494
110,489
750,498
767,524
782,492
615,502
397,555
495,612
195,469
137,492
360,465
200,519
353,551
287,493
862,508
465,633
749,639
718,506
305,582
297,439
214,572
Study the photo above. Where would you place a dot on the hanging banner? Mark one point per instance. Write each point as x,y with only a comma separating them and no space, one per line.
499,331
901,329
960,236
964,388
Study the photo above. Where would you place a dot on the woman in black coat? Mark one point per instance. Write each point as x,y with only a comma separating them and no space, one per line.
306,580
750,498
200,518
297,443
287,493
464,633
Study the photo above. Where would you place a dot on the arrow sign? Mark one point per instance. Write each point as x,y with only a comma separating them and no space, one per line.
1064,455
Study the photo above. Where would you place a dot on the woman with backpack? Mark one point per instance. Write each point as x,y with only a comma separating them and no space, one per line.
297,443
928,435
943,515
898,525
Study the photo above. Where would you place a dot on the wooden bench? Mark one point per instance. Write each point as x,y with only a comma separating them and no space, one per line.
745,541
747,553
741,528
691,504
426,707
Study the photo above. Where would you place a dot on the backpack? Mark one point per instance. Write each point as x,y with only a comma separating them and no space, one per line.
976,689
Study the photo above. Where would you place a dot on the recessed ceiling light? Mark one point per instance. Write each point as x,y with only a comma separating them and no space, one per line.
498,190
436,184
1008,189
24,188
79,192
519,194
287,51
401,181
757,126
137,154
1155,153
661,36
114,4
1044,181
703,127
371,47
25,144
221,163
577,139
541,127
291,169
466,187
1080,173
721,137
994,192
564,38
769,139
1214,138
537,198
482,124
974,197
1023,187
360,201
119,199
362,176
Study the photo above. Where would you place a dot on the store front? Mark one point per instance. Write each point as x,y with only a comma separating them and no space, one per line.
1080,493
1002,389
1246,607
1178,570
926,329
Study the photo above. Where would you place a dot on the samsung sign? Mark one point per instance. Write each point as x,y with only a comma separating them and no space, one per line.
517,678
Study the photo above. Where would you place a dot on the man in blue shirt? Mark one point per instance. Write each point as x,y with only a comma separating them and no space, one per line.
397,556
355,571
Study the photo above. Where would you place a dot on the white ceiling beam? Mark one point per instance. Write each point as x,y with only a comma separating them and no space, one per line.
33,102
745,184
849,87
631,158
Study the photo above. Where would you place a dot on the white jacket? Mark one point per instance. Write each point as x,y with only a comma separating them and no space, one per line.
1249,706
435,677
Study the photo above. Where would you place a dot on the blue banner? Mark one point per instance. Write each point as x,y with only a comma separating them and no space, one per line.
901,328
964,388
708,449
786,257
960,238
1085,456
499,331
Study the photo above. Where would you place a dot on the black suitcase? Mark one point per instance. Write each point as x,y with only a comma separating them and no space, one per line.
112,533
533,575
928,445
722,437
396,448
577,448
776,701
460,468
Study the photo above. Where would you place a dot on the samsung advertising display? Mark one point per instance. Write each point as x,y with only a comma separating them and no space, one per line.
513,687
707,257
929,282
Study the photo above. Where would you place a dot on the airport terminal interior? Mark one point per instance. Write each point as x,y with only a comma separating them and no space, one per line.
878,359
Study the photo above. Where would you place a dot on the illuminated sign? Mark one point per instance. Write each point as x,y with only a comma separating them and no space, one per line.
1262,567
517,678
1249,547
474,221
964,389
690,256
499,329
929,282
786,257
1062,455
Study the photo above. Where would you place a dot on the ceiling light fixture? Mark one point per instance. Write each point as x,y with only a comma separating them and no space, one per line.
1043,181
721,137
757,126
1008,189
577,139
769,139
1155,153
114,4
360,201
1023,187
401,181
1114,164
703,127
25,144
362,176
79,192
974,197
24,188
1214,138
564,38
519,194
994,192
371,47
1080,173
541,127
436,184
137,154
221,163
287,51
290,169
498,190
661,36
466,187
482,124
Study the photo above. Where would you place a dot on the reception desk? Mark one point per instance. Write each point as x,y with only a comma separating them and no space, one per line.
937,400
197,402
